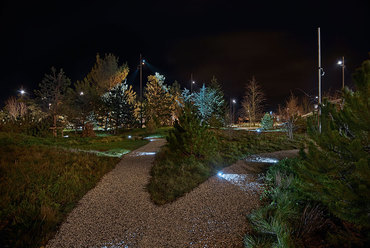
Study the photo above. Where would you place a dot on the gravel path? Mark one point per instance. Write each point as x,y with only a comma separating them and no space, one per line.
118,211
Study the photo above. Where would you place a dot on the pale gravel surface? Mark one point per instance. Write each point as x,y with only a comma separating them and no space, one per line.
118,211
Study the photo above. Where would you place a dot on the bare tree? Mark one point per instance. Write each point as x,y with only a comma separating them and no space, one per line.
291,114
15,108
52,93
253,101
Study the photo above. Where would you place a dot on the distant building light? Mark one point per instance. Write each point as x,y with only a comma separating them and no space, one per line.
81,93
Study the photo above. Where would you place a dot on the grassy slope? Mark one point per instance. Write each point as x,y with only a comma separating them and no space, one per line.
40,183
173,175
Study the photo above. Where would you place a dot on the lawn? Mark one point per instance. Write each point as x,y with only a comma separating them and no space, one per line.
42,179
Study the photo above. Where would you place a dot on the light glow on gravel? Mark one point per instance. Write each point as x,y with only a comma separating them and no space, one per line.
137,154
262,160
241,180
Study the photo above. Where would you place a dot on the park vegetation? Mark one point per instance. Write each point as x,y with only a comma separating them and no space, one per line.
321,199
57,146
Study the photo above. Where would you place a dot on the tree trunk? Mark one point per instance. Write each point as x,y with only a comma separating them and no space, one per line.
55,125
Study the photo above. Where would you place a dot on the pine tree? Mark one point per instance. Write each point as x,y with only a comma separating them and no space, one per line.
120,102
218,117
158,101
208,103
191,136
267,122
336,171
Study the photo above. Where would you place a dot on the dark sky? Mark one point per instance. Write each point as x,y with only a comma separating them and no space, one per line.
275,41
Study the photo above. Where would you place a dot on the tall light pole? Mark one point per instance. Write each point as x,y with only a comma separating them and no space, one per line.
141,63
341,63
320,73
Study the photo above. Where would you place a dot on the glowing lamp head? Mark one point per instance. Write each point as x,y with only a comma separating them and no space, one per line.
220,174
143,62
340,62
193,82
81,93
258,130
234,101
22,92
129,136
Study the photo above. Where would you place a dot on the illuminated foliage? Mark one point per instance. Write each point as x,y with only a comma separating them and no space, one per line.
253,100
159,103
120,102
267,122
208,103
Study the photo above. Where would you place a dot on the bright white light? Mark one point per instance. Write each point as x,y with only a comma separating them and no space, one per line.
316,97
137,154
65,136
258,159
258,130
22,92
193,82
340,62
129,136
243,181
220,174
234,101
270,112
49,104
81,93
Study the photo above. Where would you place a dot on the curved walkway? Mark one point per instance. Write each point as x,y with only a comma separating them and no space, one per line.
118,211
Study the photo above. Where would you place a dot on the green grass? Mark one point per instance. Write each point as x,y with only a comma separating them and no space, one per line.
103,145
39,186
41,180
175,174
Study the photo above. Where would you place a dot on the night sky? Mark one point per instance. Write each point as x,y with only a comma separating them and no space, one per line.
233,40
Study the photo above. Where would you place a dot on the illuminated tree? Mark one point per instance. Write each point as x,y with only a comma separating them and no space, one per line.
120,101
267,122
159,105
52,92
177,100
208,103
106,73
253,100
15,108
291,114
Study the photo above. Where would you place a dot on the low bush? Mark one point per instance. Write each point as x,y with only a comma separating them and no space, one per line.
194,153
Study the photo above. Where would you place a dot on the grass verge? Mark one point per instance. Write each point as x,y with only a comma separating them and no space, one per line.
175,174
40,183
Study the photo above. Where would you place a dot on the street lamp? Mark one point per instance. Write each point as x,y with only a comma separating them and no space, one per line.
341,63
141,63
191,82
81,93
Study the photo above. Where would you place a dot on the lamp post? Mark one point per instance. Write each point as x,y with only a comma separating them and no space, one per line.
341,63
191,82
234,102
141,63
